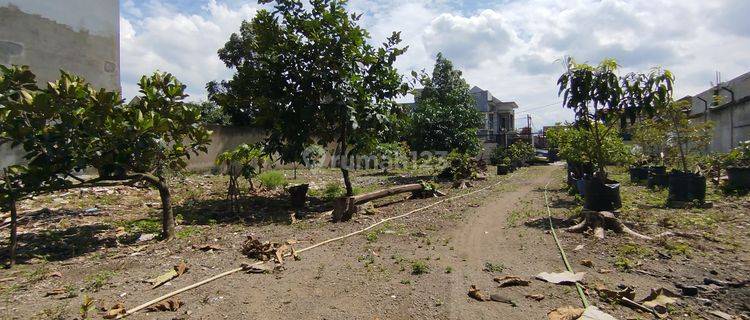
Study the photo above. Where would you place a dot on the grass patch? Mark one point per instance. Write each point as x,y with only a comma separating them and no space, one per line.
372,236
147,225
187,232
419,267
272,179
98,280
493,267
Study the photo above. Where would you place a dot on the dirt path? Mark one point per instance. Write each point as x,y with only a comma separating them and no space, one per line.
492,236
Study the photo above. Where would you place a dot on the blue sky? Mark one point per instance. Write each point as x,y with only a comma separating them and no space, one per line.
511,48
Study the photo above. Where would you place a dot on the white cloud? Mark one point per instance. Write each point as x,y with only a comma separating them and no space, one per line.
512,49
182,44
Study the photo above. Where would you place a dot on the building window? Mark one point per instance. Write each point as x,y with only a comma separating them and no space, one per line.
491,121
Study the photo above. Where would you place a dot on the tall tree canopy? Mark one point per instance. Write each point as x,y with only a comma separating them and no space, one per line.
445,117
306,72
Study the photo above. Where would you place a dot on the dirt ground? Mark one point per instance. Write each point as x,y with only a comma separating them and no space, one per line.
418,267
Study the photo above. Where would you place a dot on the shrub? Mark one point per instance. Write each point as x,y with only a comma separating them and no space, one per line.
460,166
333,190
497,156
272,179
739,156
419,267
521,152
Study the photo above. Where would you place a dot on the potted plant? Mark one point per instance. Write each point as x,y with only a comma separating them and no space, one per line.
602,101
737,164
649,135
685,139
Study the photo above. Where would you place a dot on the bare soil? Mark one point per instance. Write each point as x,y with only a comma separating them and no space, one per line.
418,267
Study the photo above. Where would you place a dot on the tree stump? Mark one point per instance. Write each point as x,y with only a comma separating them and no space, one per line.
598,221
298,195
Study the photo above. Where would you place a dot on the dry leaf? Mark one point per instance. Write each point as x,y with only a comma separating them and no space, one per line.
565,313
587,263
535,297
565,277
659,298
615,295
593,313
171,304
605,271
181,268
115,311
510,281
55,274
476,294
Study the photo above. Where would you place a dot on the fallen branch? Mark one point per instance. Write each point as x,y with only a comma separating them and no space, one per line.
344,208
226,273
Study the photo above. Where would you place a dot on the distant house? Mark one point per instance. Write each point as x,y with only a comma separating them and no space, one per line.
498,115
727,105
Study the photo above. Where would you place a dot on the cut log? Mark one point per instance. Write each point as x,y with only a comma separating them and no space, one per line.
345,207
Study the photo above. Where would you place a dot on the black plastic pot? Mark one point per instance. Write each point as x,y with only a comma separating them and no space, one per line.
638,173
686,187
502,169
739,177
657,180
298,195
581,187
602,195
657,169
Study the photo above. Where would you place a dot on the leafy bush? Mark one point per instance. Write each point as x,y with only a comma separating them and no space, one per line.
242,161
498,155
333,190
739,156
577,146
272,179
650,135
460,166
521,152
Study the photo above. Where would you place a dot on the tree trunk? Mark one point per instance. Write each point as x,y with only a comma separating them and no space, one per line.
167,219
344,162
347,182
13,231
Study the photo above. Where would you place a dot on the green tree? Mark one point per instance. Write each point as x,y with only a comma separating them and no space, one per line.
70,126
602,100
308,70
445,117
212,113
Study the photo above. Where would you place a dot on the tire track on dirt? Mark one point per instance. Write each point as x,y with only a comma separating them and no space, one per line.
488,237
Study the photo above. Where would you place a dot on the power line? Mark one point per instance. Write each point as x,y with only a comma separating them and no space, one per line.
542,107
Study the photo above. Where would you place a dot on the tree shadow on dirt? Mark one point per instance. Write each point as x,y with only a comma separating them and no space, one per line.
399,180
255,210
543,223
62,244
